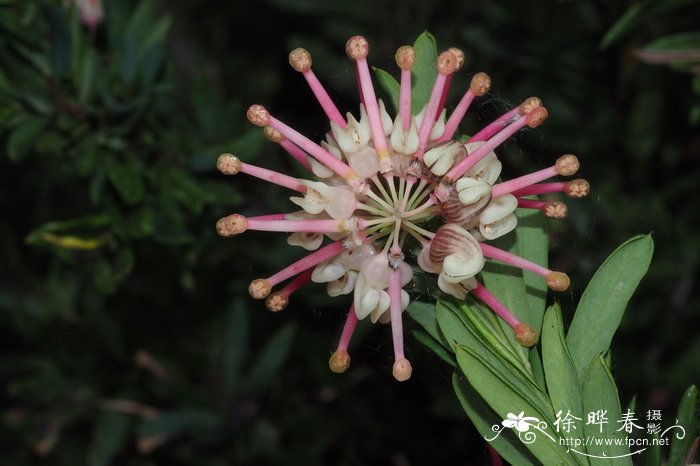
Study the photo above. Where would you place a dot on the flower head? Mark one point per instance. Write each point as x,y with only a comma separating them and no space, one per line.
380,185
91,12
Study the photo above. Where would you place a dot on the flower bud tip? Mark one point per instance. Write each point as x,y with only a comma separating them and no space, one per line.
258,115
525,334
259,288
529,105
555,209
233,225
405,57
459,55
558,281
480,85
402,370
536,117
300,59
567,165
276,302
271,134
357,47
339,361
578,188
228,164
447,63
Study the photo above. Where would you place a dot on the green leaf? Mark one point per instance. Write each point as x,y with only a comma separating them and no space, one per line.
483,322
643,133
600,395
109,437
86,78
156,35
103,277
532,243
523,293
484,418
123,264
426,316
183,187
141,17
562,380
505,398
87,225
235,345
604,301
140,223
107,276
637,14
559,369
60,40
681,41
268,363
195,421
128,58
424,71
688,419
626,23
24,136
652,455
536,365
77,40
469,325
462,326
36,59
433,345
452,326
390,86
126,178
680,51
507,284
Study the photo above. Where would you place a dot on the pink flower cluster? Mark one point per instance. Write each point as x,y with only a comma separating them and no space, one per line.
91,12
385,185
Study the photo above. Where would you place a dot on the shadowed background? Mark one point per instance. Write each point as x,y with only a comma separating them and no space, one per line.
129,337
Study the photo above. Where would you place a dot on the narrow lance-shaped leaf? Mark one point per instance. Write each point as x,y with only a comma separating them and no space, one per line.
235,346
506,400
688,419
389,84
460,328
507,284
433,345
124,173
532,243
604,301
424,314
267,365
23,138
560,372
424,70
601,398
109,437
484,418
637,14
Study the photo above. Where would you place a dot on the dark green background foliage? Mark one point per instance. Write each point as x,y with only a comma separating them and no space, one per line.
127,331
